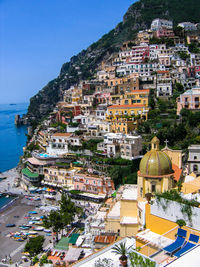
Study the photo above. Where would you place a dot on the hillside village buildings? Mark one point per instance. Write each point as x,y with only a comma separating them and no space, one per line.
97,122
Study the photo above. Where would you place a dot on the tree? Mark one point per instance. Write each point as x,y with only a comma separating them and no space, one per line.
44,259
181,223
179,31
35,245
68,210
54,220
193,48
35,260
183,55
179,87
59,219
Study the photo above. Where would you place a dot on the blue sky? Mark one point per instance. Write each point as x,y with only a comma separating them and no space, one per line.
38,36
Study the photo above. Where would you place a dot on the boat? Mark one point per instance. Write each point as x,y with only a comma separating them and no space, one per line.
31,222
32,212
39,229
47,230
10,225
24,227
32,233
39,223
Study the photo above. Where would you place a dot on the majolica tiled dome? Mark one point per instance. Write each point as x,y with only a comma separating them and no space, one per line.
155,162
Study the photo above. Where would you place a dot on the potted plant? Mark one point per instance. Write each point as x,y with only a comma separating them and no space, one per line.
181,223
122,251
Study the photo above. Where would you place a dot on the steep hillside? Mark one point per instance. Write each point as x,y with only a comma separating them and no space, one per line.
83,65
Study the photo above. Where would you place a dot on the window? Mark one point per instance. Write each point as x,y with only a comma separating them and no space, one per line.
153,188
195,157
140,214
141,191
195,168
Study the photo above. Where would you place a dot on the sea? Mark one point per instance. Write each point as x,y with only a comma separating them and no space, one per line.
5,200
12,138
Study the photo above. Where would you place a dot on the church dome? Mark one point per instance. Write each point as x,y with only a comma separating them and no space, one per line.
155,162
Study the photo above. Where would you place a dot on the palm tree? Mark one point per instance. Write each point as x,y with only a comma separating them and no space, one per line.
122,251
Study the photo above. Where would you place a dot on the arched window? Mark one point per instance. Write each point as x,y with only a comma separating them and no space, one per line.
195,168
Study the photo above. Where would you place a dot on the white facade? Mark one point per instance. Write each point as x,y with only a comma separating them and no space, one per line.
188,26
194,158
142,69
117,144
58,144
164,89
161,23
171,210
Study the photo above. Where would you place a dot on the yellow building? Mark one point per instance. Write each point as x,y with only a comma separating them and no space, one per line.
123,125
60,176
116,81
122,217
136,97
131,212
42,139
191,186
155,173
116,111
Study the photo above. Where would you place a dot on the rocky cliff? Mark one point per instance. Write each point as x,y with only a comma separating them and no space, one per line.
83,65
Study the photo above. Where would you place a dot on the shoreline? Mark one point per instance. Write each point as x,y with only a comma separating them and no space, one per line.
7,187
9,204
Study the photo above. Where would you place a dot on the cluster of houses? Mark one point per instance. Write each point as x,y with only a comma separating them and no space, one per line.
107,111
110,107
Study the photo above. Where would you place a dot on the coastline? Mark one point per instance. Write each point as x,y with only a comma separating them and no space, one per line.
7,184
7,187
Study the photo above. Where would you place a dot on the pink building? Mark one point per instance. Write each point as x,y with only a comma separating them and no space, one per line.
91,183
189,100
163,32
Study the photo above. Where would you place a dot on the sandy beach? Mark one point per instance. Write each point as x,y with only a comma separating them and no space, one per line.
20,208
7,184
8,245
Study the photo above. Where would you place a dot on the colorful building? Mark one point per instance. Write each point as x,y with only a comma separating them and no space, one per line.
136,97
189,100
117,111
94,184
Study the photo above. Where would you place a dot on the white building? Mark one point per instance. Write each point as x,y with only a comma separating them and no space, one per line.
58,144
144,69
188,26
194,159
161,23
124,145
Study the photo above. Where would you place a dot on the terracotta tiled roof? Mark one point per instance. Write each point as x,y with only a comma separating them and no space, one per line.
162,71
41,133
177,172
141,91
104,239
127,106
62,134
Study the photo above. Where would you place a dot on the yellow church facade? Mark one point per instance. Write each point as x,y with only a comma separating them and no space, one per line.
131,211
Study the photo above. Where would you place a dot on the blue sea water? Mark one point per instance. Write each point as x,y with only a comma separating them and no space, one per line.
5,200
12,138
